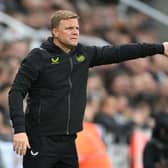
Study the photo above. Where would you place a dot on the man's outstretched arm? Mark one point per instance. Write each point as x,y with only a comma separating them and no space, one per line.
119,53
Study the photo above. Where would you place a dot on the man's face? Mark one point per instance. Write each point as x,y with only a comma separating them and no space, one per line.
67,33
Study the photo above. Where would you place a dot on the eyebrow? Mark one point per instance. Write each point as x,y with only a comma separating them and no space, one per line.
70,27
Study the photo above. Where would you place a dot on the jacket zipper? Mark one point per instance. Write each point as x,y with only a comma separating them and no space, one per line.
69,96
39,113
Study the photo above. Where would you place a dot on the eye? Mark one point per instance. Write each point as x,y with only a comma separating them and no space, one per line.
71,28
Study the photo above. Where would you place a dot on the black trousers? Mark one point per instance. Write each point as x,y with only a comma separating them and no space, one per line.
51,152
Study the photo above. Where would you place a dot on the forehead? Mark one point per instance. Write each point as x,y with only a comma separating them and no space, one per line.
69,22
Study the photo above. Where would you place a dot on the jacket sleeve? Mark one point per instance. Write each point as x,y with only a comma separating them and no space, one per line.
118,53
27,73
149,156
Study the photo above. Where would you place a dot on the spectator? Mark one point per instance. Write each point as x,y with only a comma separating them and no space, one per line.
113,121
156,150
90,147
18,48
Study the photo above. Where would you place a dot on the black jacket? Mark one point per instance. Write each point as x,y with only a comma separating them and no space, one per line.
155,154
56,84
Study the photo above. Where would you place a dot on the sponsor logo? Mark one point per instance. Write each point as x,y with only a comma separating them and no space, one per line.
80,58
34,153
55,60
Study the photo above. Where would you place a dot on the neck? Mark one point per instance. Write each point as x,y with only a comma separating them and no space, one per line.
61,45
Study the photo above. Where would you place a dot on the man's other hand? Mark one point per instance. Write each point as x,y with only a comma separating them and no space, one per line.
20,143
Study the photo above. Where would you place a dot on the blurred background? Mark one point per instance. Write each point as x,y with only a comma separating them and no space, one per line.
122,98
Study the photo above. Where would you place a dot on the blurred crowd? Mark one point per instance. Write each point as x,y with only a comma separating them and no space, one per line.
121,97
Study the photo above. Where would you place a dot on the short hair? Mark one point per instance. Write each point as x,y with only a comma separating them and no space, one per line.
61,15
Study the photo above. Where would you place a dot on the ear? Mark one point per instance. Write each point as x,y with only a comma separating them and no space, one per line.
55,32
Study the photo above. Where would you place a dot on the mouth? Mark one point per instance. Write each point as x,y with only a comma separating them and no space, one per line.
74,38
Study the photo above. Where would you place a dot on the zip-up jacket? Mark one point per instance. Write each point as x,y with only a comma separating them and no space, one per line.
54,84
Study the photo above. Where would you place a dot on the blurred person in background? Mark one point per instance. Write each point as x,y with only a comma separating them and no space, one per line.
143,124
113,121
5,135
135,67
12,63
95,87
55,76
142,115
163,88
118,33
107,111
16,48
155,153
4,89
4,74
144,88
8,69
158,69
35,13
90,147
1,161
119,82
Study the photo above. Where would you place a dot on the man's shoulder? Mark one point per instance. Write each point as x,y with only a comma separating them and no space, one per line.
81,45
36,52
34,55
85,48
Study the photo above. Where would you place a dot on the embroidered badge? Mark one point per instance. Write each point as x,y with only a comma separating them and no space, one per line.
55,60
80,58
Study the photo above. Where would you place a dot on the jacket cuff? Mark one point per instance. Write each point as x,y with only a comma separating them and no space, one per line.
160,48
19,129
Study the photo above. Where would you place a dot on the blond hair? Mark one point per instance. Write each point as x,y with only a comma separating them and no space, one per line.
61,15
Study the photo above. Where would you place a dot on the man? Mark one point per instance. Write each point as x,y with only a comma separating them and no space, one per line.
155,153
55,78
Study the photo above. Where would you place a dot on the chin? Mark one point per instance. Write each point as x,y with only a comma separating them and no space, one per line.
74,44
